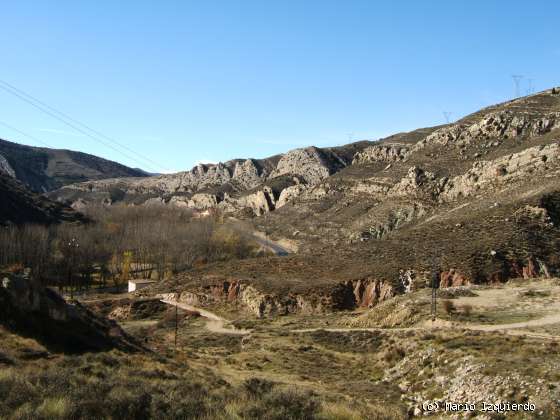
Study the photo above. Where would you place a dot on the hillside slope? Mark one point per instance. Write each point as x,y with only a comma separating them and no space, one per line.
19,205
43,169
476,201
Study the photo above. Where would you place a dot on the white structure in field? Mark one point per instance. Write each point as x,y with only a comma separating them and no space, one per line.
134,285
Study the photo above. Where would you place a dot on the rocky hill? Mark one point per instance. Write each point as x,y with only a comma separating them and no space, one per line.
477,201
19,205
43,169
234,186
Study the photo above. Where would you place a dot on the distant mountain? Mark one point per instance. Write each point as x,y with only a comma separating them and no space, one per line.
43,169
19,205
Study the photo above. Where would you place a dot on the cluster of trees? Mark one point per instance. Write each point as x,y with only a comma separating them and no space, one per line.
121,242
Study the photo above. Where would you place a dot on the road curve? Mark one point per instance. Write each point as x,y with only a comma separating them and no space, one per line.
214,323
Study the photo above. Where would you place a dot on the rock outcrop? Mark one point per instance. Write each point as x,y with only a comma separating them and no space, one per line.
341,296
260,202
418,183
309,163
5,167
502,124
234,186
452,278
288,194
502,171
246,174
387,152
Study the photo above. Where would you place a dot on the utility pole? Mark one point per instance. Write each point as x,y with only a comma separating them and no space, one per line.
447,116
517,80
176,313
73,246
434,284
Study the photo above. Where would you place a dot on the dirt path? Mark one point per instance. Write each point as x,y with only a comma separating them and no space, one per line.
259,237
214,323
541,322
513,328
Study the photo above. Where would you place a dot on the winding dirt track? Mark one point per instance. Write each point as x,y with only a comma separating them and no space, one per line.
512,329
214,322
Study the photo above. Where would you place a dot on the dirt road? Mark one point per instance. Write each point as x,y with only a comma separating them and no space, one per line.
513,328
214,322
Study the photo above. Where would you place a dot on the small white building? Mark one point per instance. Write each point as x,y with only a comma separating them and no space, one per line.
134,285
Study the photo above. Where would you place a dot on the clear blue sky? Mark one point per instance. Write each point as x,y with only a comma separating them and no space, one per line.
188,81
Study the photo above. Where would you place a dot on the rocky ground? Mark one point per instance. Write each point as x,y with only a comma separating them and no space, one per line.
390,361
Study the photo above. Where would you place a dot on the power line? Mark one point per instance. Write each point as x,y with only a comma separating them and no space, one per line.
25,134
75,124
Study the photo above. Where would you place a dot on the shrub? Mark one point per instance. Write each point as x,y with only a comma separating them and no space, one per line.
54,408
127,404
256,387
283,405
393,354
448,307
467,310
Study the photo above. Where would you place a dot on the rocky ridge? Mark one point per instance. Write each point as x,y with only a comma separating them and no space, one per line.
232,186
43,169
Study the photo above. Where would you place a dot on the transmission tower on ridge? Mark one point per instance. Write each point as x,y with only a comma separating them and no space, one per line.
517,81
447,116
530,89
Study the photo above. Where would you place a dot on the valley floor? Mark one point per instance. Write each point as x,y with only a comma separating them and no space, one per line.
488,345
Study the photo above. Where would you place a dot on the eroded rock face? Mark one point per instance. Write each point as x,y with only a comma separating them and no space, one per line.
382,153
395,220
201,201
369,292
5,167
289,194
343,296
501,124
309,163
418,183
503,170
452,278
199,177
412,280
260,202
246,174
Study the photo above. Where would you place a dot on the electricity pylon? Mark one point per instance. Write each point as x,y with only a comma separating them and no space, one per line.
517,80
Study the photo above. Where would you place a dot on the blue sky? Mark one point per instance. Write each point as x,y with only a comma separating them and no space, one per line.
180,82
